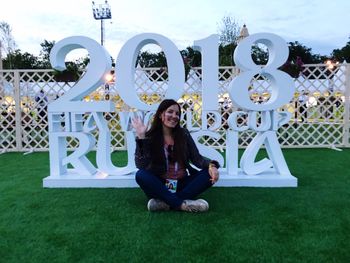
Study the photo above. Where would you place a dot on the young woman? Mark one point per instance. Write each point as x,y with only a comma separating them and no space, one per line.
163,156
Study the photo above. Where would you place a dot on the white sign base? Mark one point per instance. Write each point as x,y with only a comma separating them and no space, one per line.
101,180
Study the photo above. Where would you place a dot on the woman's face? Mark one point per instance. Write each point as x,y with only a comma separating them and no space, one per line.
171,116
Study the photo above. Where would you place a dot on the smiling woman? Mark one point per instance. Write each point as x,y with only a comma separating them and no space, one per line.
163,156
171,117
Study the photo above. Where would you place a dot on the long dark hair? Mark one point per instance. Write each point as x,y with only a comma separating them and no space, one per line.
155,133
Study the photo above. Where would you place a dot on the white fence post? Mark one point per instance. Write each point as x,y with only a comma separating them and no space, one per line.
347,107
18,111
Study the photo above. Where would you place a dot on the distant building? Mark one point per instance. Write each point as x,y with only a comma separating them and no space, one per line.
243,34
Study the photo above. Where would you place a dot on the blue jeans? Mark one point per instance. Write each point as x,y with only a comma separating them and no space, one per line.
188,187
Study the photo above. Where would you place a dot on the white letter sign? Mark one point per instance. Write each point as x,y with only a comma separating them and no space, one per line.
82,119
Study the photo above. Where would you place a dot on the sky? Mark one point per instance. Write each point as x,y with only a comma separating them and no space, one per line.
318,24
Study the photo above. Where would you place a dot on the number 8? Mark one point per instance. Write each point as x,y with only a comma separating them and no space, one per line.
278,54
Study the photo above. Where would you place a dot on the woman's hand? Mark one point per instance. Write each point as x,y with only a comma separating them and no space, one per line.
214,174
139,127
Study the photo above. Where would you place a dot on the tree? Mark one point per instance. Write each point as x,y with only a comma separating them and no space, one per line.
191,58
82,62
343,53
7,43
260,54
148,59
297,49
298,56
73,68
70,74
228,30
45,53
18,60
226,54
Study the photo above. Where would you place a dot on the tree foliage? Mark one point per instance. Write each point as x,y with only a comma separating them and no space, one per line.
226,54
297,49
70,74
191,58
148,59
44,55
299,55
342,53
8,43
18,60
260,54
228,30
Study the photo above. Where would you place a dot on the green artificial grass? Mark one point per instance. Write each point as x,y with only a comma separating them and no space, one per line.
310,223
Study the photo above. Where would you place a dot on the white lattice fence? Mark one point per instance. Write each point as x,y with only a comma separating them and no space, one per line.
320,107
8,112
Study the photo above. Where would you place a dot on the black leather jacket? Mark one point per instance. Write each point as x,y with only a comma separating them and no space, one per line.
143,156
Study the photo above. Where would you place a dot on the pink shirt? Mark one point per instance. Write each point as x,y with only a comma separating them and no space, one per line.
174,170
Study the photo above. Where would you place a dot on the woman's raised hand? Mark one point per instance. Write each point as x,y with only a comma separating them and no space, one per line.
139,127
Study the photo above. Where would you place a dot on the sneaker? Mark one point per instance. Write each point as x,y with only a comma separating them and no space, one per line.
157,205
195,206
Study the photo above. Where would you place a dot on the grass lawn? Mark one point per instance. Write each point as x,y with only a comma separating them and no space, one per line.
310,223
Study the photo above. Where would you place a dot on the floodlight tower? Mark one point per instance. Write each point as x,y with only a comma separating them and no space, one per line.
102,12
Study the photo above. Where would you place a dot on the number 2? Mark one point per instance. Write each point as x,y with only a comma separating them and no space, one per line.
100,64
